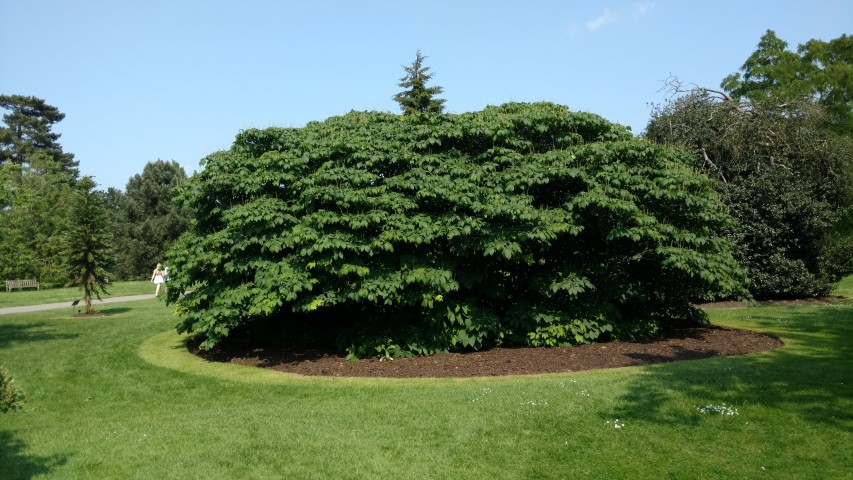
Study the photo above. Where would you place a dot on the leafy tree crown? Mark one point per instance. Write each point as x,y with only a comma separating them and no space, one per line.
818,70
519,224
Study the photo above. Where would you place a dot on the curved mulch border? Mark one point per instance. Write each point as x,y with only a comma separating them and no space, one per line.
684,344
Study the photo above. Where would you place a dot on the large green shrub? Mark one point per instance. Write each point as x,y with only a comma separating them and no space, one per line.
518,224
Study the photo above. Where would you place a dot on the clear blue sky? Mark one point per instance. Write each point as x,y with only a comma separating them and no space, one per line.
176,80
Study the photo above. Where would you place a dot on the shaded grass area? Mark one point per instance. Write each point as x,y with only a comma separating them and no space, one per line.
116,397
17,298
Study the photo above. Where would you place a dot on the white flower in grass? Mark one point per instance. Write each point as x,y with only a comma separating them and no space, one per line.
617,423
720,409
486,391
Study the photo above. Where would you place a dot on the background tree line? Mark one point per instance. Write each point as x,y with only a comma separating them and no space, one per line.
778,141
775,138
49,214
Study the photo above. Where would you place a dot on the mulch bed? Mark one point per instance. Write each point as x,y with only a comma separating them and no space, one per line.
683,344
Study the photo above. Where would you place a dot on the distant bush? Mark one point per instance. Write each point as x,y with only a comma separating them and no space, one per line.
11,397
519,224
787,182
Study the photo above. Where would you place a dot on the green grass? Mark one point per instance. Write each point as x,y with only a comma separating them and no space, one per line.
17,298
116,397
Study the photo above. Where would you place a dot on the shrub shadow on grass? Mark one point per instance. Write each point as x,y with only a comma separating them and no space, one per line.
677,354
809,376
15,464
115,311
15,333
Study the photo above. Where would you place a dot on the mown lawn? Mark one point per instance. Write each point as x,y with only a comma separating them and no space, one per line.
112,397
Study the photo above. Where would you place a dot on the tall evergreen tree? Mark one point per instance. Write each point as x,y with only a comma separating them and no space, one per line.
145,220
36,179
417,97
116,204
31,229
27,139
88,242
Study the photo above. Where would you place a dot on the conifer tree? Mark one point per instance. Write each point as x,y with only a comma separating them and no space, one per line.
88,250
27,139
36,180
417,97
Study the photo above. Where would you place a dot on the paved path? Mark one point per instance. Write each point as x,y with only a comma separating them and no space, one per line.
53,306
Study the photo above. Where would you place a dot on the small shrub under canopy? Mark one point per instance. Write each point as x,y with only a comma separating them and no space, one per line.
519,224
11,397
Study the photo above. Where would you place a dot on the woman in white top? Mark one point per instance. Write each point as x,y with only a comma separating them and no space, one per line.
159,278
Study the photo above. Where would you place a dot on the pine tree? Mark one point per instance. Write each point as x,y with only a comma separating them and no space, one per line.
36,181
88,242
418,98
27,139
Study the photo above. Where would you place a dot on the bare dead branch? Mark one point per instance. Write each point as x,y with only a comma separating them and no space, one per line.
676,87
708,160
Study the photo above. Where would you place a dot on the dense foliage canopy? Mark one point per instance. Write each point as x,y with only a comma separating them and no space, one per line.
819,70
37,179
144,219
775,144
518,224
40,190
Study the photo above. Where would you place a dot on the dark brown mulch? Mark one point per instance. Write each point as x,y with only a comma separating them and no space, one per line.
684,344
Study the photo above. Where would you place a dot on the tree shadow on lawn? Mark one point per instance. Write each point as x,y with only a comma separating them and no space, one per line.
15,464
102,312
676,353
811,375
115,311
16,333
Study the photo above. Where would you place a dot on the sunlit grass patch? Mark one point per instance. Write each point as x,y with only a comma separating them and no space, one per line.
119,396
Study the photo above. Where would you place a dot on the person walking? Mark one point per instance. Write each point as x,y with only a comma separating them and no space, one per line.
158,277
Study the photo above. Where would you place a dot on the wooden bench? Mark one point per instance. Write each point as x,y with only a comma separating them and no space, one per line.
21,284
